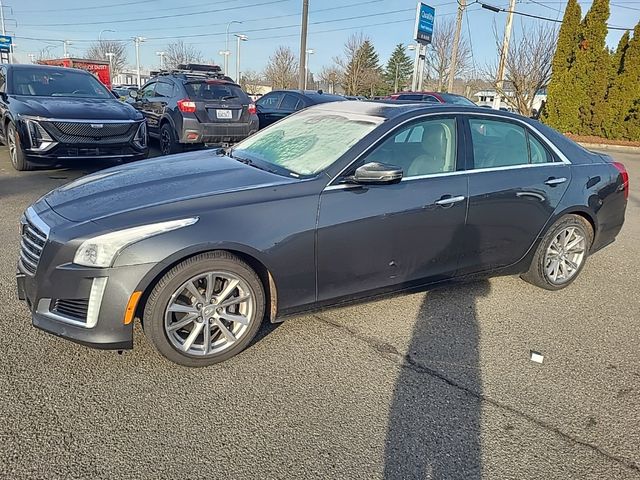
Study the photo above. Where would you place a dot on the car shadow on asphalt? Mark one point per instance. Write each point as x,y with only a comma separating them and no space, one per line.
434,420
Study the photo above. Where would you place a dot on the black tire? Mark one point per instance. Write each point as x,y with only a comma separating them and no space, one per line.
17,156
168,140
158,301
537,274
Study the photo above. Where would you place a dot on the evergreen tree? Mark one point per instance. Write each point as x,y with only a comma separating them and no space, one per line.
561,109
624,98
613,94
399,69
592,69
363,75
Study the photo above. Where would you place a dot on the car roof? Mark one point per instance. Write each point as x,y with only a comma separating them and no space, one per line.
312,94
37,66
389,108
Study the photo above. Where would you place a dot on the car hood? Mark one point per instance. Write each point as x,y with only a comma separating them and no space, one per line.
155,182
74,108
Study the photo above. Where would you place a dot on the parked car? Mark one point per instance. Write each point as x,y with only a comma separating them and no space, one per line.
49,114
122,91
338,202
195,105
278,104
355,97
432,97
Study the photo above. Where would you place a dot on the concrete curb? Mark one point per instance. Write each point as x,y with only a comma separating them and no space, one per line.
606,146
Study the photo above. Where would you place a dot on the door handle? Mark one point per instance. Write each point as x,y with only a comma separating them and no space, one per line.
443,202
555,181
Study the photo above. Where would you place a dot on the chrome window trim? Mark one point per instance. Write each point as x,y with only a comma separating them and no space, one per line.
563,159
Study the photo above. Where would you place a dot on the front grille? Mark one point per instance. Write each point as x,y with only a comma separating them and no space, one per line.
98,151
84,132
73,308
33,241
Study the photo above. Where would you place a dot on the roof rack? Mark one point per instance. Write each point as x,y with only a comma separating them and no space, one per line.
194,70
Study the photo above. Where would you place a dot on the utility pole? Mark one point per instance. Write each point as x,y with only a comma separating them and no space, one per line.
456,40
138,41
241,38
65,44
110,56
497,100
303,45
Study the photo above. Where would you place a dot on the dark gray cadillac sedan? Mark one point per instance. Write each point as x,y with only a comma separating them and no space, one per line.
337,202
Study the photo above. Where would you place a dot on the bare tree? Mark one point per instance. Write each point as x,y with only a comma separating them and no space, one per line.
100,49
330,77
282,69
180,52
44,53
250,81
438,65
352,64
527,66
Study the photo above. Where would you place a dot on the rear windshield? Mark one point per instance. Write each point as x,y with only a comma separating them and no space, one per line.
457,99
214,91
55,83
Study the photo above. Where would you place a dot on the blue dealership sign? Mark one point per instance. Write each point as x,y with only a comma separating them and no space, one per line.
5,43
424,23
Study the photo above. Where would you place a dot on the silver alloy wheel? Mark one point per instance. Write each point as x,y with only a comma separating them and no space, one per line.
564,255
209,313
13,149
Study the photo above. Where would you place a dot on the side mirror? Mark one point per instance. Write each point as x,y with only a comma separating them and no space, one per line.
377,173
133,94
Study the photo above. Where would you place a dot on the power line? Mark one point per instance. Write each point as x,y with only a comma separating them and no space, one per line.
129,20
59,10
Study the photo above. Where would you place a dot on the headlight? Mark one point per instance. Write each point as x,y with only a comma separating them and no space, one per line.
101,250
141,135
39,139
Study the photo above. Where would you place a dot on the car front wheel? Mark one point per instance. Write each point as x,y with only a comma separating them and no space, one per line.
205,310
561,254
18,158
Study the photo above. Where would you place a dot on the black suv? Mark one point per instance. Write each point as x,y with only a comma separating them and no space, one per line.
49,114
195,105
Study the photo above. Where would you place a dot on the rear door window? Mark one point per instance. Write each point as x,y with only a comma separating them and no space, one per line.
214,91
164,89
270,100
410,97
289,102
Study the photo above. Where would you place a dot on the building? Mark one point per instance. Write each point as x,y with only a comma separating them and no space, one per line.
130,77
485,97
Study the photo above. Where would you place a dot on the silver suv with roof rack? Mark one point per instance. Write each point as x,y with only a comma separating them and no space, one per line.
195,105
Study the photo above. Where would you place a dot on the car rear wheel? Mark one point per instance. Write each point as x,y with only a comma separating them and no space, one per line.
205,310
168,141
561,254
18,159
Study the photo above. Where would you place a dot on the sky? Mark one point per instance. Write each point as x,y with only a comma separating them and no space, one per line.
38,24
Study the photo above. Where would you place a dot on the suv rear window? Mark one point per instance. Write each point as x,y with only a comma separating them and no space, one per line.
214,91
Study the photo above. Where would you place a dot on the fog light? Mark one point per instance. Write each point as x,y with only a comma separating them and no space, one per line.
95,300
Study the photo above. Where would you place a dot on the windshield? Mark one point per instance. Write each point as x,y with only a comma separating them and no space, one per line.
457,99
56,83
307,142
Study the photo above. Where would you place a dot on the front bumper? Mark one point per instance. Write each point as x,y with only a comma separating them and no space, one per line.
82,304
87,151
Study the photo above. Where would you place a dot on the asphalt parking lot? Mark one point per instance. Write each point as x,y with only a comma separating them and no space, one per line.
431,385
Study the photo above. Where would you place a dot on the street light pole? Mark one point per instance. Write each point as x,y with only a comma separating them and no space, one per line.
497,100
101,32
138,41
161,55
302,76
65,44
416,62
226,47
241,38
306,66
110,56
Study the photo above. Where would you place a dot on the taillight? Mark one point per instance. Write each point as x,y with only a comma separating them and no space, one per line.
186,105
252,108
625,178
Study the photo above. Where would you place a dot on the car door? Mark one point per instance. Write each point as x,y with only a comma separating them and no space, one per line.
267,108
395,235
516,182
158,103
144,104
